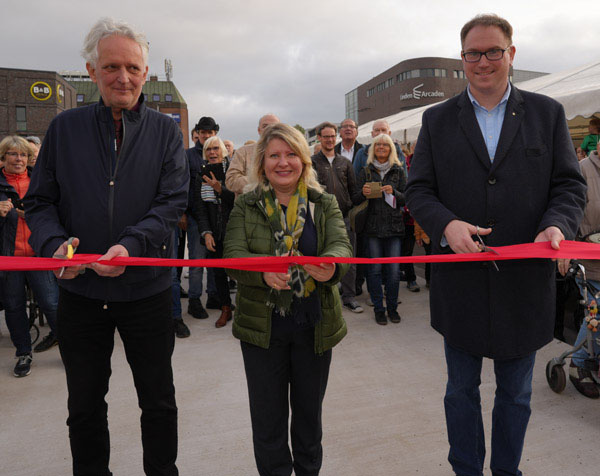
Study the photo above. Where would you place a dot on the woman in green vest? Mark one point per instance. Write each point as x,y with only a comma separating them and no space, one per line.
287,322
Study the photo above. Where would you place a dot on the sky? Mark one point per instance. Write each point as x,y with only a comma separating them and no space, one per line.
237,60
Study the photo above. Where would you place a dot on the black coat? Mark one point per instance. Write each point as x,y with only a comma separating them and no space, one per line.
383,221
534,182
210,216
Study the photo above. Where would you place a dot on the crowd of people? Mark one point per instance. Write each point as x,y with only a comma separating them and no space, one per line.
272,197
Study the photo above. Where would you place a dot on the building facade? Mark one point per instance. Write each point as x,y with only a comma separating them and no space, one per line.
412,83
160,95
30,99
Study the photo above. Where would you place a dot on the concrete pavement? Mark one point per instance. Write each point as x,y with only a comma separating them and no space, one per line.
383,412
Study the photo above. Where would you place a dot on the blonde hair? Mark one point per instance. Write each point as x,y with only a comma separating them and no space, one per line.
297,143
15,142
385,139
208,142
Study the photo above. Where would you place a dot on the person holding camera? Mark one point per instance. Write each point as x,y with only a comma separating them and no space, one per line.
382,182
213,204
15,152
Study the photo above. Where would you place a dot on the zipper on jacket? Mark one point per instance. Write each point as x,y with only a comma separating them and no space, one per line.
111,183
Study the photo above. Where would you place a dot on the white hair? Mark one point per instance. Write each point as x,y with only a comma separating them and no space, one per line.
106,27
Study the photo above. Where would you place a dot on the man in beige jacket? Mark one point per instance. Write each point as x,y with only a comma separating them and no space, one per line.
237,174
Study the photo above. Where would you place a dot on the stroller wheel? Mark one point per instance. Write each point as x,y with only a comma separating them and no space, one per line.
555,374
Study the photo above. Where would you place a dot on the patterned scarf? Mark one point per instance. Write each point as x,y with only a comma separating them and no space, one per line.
288,228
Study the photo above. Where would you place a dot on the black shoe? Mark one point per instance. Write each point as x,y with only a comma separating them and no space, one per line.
583,381
196,310
182,293
394,316
181,329
23,367
47,343
413,286
380,318
354,307
212,302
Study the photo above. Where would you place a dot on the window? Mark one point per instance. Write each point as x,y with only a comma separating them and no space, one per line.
168,97
156,97
21,118
458,74
145,97
80,97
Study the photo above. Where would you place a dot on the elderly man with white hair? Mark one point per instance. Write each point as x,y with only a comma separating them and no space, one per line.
124,200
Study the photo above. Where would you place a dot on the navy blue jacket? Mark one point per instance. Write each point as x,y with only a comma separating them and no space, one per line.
195,162
533,183
80,187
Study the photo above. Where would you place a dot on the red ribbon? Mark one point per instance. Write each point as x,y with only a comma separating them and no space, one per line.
280,264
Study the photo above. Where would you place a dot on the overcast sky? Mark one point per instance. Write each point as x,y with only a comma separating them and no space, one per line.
236,60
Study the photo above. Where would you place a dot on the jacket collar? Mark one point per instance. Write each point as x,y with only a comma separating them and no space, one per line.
256,195
105,113
512,121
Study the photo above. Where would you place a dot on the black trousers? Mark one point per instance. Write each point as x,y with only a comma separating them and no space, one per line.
289,367
87,328
221,282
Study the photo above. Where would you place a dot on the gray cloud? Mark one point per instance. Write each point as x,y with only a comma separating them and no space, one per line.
236,60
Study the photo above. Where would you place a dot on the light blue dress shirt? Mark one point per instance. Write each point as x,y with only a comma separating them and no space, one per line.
490,122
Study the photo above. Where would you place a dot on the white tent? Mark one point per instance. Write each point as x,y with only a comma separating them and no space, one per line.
577,89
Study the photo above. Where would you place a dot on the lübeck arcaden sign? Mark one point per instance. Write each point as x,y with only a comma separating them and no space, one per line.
418,94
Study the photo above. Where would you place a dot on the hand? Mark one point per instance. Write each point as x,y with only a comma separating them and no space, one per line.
321,272
209,241
366,190
278,281
213,182
107,270
420,242
551,234
68,272
5,207
458,234
387,189
182,223
563,265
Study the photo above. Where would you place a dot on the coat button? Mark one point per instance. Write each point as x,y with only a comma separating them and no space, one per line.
164,247
111,183
492,181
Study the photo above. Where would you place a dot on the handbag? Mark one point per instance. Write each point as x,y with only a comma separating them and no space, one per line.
358,214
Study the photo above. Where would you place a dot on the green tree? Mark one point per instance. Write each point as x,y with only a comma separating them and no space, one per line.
300,128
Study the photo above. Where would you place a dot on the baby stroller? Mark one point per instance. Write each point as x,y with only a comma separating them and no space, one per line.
35,314
555,373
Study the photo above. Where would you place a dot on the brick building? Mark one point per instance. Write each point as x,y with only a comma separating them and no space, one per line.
412,83
160,95
30,99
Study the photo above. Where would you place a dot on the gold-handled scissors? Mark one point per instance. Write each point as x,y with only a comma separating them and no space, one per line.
70,252
484,248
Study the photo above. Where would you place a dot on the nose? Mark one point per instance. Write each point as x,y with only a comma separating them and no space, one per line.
122,75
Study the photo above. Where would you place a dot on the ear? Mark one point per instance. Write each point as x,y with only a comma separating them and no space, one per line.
511,52
91,71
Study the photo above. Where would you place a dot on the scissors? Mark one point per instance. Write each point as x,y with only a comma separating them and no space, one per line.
70,252
484,248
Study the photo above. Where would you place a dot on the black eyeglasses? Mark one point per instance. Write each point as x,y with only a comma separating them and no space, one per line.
494,54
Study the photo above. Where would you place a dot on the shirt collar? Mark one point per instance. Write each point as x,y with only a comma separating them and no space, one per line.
502,100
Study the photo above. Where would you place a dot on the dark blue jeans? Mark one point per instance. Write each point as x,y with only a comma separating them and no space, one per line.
45,289
509,417
384,248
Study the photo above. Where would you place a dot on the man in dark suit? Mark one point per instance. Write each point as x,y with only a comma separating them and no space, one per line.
497,162
349,146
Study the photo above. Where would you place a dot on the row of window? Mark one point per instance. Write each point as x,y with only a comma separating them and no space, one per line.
415,73
155,98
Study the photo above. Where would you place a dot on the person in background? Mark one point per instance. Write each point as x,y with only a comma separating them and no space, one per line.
36,143
384,228
230,148
211,211
241,163
408,241
589,142
14,182
287,322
